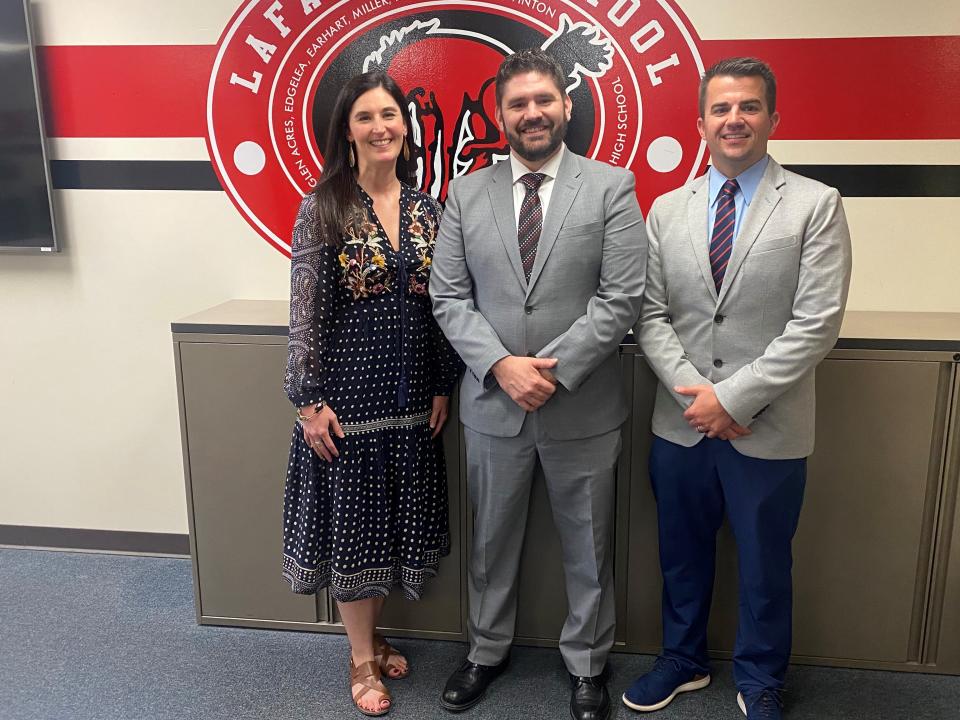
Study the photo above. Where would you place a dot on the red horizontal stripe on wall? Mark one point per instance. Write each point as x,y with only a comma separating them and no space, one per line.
125,90
889,88
898,88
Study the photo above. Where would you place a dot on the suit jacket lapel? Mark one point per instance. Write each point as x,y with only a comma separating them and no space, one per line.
764,201
500,191
565,189
697,229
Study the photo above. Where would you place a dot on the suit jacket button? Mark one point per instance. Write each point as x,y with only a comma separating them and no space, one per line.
531,354
528,309
718,319
718,363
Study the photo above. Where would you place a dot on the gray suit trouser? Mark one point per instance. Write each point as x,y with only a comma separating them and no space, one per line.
579,476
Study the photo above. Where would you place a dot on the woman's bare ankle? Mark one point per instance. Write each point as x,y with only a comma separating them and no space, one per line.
361,656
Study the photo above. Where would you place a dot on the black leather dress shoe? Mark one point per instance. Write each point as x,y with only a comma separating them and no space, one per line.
466,687
589,699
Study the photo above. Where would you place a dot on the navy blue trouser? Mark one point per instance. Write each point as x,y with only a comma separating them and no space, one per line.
694,487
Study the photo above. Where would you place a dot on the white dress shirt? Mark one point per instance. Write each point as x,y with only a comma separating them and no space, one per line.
550,168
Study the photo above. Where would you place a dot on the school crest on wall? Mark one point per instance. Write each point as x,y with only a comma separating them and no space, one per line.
632,70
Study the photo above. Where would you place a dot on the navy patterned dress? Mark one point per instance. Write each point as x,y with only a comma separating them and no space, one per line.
363,338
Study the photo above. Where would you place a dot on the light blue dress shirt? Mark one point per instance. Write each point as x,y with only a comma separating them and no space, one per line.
748,181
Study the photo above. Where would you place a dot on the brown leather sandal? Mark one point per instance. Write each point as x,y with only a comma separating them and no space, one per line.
383,651
368,675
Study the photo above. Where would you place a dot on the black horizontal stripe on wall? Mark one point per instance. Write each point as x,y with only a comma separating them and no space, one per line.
886,180
133,175
850,180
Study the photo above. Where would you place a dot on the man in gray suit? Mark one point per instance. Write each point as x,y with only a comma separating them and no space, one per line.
748,272
537,276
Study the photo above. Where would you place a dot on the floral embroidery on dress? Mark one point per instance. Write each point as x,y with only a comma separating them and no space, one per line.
423,235
362,262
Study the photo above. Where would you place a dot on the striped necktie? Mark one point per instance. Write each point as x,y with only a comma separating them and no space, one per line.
721,242
530,222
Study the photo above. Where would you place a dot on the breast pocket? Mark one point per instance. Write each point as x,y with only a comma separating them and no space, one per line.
777,243
776,260
582,230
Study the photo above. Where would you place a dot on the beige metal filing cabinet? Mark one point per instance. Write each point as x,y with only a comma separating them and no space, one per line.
875,582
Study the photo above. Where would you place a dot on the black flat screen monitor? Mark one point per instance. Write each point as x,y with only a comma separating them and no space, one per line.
26,219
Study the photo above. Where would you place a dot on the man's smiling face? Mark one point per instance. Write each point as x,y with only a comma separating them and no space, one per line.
736,122
533,114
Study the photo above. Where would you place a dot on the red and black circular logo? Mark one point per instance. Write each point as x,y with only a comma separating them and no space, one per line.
632,68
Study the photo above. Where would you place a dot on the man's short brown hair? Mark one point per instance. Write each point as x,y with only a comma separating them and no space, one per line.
530,60
741,67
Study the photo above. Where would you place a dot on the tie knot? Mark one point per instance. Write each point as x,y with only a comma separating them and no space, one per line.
532,181
730,187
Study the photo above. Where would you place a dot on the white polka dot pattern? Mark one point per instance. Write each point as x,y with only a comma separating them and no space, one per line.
363,338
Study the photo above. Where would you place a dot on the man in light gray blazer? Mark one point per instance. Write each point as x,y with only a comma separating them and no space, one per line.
748,273
537,276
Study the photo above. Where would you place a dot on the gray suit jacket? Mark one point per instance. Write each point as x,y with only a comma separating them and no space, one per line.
776,317
584,293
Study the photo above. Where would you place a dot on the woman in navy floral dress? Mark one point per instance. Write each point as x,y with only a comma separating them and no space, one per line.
370,374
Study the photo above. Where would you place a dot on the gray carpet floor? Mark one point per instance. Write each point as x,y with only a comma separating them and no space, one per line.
113,637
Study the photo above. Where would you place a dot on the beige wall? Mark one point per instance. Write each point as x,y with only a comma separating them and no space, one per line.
90,430
89,434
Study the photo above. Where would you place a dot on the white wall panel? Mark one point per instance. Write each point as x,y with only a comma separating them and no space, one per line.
187,22
866,152
90,430
820,18
132,22
127,149
906,254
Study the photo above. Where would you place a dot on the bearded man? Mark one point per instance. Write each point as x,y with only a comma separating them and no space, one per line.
538,274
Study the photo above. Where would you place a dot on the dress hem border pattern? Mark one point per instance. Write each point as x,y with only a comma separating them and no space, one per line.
369,583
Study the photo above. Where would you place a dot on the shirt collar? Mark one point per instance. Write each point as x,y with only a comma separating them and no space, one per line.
550,168
748,180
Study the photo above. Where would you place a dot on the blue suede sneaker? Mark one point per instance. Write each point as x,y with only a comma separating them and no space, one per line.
765,705
667,679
